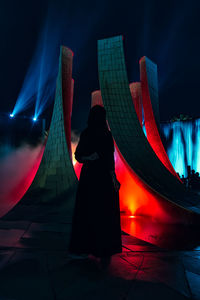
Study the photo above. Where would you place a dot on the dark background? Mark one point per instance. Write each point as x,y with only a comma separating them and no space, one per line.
167,32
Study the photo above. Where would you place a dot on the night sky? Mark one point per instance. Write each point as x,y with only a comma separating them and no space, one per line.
168,32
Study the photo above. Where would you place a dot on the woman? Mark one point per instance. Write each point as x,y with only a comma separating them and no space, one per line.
96,222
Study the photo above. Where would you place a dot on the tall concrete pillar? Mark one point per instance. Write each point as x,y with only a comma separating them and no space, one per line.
56,174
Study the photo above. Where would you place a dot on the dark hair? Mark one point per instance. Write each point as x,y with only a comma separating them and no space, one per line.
97,118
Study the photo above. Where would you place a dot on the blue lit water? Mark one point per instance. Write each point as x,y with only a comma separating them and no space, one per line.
182,143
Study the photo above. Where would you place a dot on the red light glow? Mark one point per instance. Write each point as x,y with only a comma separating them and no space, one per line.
23,165
136,198
153,135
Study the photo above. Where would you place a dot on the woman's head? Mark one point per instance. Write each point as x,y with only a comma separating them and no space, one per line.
97,117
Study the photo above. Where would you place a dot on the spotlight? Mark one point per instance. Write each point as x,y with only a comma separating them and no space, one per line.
11,115
34,119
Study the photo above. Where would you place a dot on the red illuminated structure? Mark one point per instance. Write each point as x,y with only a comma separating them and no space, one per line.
56,173
52,174
23,164
135,197
136,94
148,187
149,84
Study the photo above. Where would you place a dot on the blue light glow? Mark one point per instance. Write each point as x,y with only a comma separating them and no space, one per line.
183,144
40,80
59,29
11,115
34,119
196,155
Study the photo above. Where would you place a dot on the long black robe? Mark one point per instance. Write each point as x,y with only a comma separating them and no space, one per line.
96,223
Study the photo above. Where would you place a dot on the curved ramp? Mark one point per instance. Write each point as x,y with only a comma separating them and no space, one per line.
134,197
149,85
135,150
56,175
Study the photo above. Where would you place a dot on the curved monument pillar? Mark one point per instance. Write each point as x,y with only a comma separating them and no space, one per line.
55,176
136,94
135,150
149,84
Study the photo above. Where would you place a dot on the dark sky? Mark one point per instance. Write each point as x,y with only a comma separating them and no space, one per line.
168,32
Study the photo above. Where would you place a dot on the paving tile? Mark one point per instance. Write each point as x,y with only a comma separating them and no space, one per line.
14,225
83,280
25,278
194,283
131,240
10,237
40,262
50,227
195,254
23,213
168,270
143,290
44,240
191,264
125,267
5,256
136,245
138,248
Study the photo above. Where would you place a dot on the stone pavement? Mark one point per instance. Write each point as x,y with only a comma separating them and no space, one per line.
34,264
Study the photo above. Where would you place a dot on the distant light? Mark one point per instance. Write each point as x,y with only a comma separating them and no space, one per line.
131,217
12,115
34,119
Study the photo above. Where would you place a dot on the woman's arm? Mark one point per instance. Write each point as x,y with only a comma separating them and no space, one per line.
81,149
92,157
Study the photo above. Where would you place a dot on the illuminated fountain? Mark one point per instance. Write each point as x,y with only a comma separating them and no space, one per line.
183,144
149,184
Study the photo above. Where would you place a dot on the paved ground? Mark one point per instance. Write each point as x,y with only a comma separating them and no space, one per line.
34,264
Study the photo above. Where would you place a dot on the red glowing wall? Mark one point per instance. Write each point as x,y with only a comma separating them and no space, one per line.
23,164
53,171
152,132
135,197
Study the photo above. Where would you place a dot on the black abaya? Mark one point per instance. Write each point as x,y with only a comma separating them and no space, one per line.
96,222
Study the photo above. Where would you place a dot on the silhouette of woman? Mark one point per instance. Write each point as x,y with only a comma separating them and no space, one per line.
96,222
